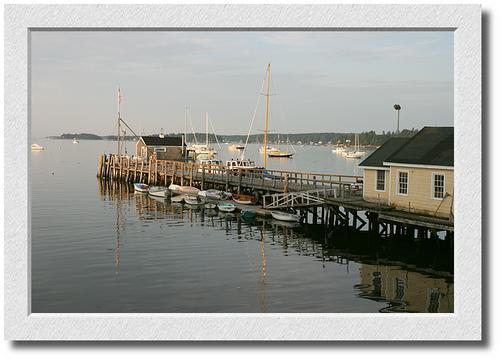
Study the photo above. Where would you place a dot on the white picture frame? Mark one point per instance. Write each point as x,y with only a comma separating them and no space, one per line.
464,324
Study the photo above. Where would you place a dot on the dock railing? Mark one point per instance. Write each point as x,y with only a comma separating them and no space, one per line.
133,168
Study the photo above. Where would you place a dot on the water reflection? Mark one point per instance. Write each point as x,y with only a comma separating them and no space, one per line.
397,287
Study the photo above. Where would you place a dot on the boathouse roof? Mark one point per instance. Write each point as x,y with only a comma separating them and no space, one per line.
379,156
430,146
162,141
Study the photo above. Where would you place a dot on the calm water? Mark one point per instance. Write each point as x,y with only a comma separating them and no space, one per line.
104,249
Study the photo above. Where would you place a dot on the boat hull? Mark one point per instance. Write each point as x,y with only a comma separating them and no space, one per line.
141,188
282,216
226,207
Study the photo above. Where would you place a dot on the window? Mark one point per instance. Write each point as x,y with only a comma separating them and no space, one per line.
403,182
438,186
380,180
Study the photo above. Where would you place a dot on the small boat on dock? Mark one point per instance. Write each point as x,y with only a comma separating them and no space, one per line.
141,188
244,199
226,207
284,216
159,191
36,147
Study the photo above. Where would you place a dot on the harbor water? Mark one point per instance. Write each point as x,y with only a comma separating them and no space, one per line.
99,248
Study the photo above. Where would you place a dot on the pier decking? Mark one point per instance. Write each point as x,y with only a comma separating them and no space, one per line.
329,199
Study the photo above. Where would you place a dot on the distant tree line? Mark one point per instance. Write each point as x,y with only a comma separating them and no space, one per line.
366,138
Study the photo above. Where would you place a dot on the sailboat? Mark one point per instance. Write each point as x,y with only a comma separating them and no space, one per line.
355,154
266,150
204,151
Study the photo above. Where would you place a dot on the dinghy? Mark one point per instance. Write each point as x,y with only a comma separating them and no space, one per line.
193,200
283,216
159,191
175,188
211,194
248,215
140,187
244,199
226,207
210,206
36,147
188,190
177,199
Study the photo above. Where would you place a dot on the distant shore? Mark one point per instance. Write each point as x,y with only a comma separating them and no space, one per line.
322,138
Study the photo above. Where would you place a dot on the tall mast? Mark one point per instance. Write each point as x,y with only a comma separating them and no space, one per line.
185,120
267,110
207,129
118,121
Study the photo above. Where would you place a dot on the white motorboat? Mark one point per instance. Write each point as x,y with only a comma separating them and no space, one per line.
283,216
36,147
193,200
226,207
141,188
159,191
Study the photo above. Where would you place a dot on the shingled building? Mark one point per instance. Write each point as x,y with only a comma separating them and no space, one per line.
413,174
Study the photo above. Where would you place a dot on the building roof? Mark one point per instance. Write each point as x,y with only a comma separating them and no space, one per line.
162,141
379,156
430,146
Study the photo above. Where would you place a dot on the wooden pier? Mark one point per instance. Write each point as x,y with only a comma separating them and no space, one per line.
328,199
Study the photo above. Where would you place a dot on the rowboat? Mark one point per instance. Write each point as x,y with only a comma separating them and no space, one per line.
140,187
244,199
283,216
226,207
36,147
159,191
248,215
193,200
177,199
210,206
189,190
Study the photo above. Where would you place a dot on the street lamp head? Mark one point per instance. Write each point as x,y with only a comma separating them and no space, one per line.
397,107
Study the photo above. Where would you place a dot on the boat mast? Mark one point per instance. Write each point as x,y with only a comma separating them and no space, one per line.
118,121
185,120
267,110
207,129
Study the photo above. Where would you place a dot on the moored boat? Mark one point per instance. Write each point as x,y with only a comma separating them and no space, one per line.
244,199
36,147
159,191
248,215
140,187
210,206
193,200
283,216
177,199
226,207
189,190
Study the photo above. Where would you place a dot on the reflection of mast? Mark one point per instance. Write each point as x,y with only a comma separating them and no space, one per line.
117,241
262,278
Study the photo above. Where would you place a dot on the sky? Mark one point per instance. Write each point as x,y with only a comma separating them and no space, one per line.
321,81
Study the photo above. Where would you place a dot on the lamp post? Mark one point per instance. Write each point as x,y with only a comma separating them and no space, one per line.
398,108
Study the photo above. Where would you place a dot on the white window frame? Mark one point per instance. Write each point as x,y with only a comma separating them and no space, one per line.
398,183
433,185
384,182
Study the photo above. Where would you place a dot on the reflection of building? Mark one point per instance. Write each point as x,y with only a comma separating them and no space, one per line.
415,173
407,291
164,147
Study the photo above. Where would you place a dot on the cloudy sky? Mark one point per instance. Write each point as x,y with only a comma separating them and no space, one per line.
321,81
